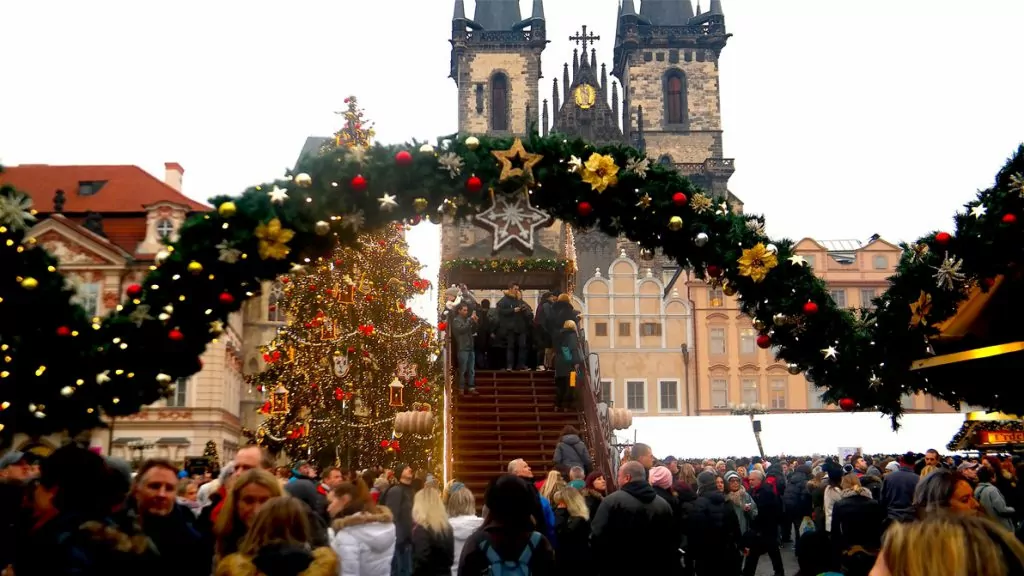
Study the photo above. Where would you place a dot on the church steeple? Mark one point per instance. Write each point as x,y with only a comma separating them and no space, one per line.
667,12
460,10
497,14
716,8
538,9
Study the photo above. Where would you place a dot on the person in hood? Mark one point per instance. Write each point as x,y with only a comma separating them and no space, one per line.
898,490
508,533
634,518
278,544
513,314
362,534
796,499
462,517
305,491
571,451
714,534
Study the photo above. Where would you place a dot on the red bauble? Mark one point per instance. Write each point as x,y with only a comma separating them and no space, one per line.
679,199
351,349
385,443
474,184
134,291
395,445
988,282
358,183
847,404
416,219
714,271
584,209
176,335
764,341
285,280
226,299
368,298
338,262
1009,218
943,238
810,308
403,158
277,354
63,331
442,326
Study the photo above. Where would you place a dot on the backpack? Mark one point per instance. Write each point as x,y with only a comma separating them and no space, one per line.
520,567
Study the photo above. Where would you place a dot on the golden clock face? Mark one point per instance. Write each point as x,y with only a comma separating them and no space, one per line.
586,95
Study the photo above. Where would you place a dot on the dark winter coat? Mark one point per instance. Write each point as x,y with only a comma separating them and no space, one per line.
433,553
484,329
560,312
593,499
510,321
857,522
778,479
509,546
398,499
571,451
898,494
873,484
280,560
797,496
568,342
462,333
677,512
316,505
67,545
543,336
769,515
179,543
631,519
714,534
572,553
687,498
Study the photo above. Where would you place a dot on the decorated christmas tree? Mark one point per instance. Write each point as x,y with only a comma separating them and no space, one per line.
354,378
210,452
357,131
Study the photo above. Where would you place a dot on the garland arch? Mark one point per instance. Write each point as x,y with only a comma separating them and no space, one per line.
118,364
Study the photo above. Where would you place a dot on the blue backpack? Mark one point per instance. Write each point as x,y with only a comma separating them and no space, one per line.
520,567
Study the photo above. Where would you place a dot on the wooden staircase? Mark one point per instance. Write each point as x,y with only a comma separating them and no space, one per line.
513,417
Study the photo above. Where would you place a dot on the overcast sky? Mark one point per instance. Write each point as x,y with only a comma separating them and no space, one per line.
845,117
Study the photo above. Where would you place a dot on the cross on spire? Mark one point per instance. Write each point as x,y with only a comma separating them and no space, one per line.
584,38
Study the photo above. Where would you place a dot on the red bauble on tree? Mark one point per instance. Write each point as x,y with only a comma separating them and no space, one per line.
1009,218
385,443
764,341
584,208
442,326
63,331
943,238
176,335
134,291
403,158
679,199
847,404
714,271
474,184
810,308
226,299
358,183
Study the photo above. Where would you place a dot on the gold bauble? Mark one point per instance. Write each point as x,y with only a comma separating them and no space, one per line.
780,319
675,223
322,228
759,325
729,290
304,180
29,283
426,149
195,267
420,204
793,369
472,142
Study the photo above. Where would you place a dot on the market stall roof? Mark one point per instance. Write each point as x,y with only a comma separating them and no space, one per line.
989,431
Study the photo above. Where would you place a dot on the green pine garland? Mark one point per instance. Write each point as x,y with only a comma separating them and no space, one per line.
874,349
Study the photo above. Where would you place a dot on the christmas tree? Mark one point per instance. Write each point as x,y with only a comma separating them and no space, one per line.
352,357
210,452
357,131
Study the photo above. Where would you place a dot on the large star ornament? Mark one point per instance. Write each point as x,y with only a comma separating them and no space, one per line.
517,152
278,195
512,219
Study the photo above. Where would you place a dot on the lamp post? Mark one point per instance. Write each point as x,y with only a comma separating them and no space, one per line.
751,410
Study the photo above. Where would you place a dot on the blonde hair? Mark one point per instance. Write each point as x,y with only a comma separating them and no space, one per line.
461,502
946,544
428,511
551,484
573,501
281,520
229,528
927,470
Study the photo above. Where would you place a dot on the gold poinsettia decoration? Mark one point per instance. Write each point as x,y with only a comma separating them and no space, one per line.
920,310
274,240
600,171
756,262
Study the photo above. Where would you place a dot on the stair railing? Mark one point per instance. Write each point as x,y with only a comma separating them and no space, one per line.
447,419
594,423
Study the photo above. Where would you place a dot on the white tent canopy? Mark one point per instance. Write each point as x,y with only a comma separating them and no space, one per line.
792,434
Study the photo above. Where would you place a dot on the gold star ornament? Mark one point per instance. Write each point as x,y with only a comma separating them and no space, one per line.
517,153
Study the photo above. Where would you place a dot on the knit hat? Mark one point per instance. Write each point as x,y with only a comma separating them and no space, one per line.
705,480
660,477
730,475
453,291
892,466
578,484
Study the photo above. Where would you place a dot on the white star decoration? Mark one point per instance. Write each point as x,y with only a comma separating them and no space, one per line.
797,260
512,219
278,195
978,211
575,164
830,352
874,382
356,154
723,208
387,202
103,377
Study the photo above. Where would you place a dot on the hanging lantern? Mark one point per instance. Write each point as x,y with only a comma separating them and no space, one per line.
279,400
395,392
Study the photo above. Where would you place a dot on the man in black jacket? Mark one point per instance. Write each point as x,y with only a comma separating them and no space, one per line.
797,498
512,324
398,499
171,527
766,525
634,518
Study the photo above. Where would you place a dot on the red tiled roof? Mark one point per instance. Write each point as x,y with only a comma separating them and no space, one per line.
124,230
108,242
125,188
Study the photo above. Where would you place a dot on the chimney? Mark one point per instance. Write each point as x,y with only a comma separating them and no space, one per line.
172,175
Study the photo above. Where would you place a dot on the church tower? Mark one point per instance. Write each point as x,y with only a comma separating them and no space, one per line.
496,64
666,58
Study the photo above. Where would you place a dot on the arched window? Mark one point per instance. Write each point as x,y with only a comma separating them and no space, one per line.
675,98
499,103
275,312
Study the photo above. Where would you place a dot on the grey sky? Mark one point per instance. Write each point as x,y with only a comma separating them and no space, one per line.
846,117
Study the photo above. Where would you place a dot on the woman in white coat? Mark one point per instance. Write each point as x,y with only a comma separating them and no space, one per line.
462,516
362,533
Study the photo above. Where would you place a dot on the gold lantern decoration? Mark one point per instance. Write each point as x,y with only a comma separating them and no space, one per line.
279,400
395,390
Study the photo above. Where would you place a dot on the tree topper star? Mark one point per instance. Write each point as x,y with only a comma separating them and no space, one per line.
387,202
278,195
830,352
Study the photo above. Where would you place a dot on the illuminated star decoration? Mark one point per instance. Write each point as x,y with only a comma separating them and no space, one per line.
516,152
797,260
354,220
511,218
575,164
948,275
387,202
700,203
16,211
297,268
278,195
830,352
452,163
140,315
978,211
228,253
645,201
103,377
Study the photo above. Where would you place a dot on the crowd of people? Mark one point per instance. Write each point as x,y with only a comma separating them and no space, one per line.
76,512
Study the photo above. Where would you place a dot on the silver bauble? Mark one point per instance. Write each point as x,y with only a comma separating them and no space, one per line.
793,369
701,240
304,180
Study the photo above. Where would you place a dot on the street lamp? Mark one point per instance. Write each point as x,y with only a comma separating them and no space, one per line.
751,410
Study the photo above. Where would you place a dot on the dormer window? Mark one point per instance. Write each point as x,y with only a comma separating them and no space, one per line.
90,187
164,228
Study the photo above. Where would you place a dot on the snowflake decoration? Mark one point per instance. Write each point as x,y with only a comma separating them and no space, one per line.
16,211
948,275
700,203
918,252
756,226
387,202
512,219
723,208
228,253
639,167
1017,184
452,163
355,220
140,315
615,223
575,164
356,154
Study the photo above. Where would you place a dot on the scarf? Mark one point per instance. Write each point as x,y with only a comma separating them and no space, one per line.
738,497
859,491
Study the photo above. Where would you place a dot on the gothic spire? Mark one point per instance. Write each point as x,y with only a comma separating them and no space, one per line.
698,8
497,14
555,100
615,100
460,10
628,9
565,81
716,7
538,9
604,80
575,62
544,118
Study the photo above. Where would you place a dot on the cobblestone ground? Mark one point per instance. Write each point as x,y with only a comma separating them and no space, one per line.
764,565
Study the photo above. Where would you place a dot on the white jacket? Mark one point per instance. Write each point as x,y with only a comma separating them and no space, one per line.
365,543
462,528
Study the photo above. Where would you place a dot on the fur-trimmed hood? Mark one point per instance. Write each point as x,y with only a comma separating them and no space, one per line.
383,515
282,562
376,531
